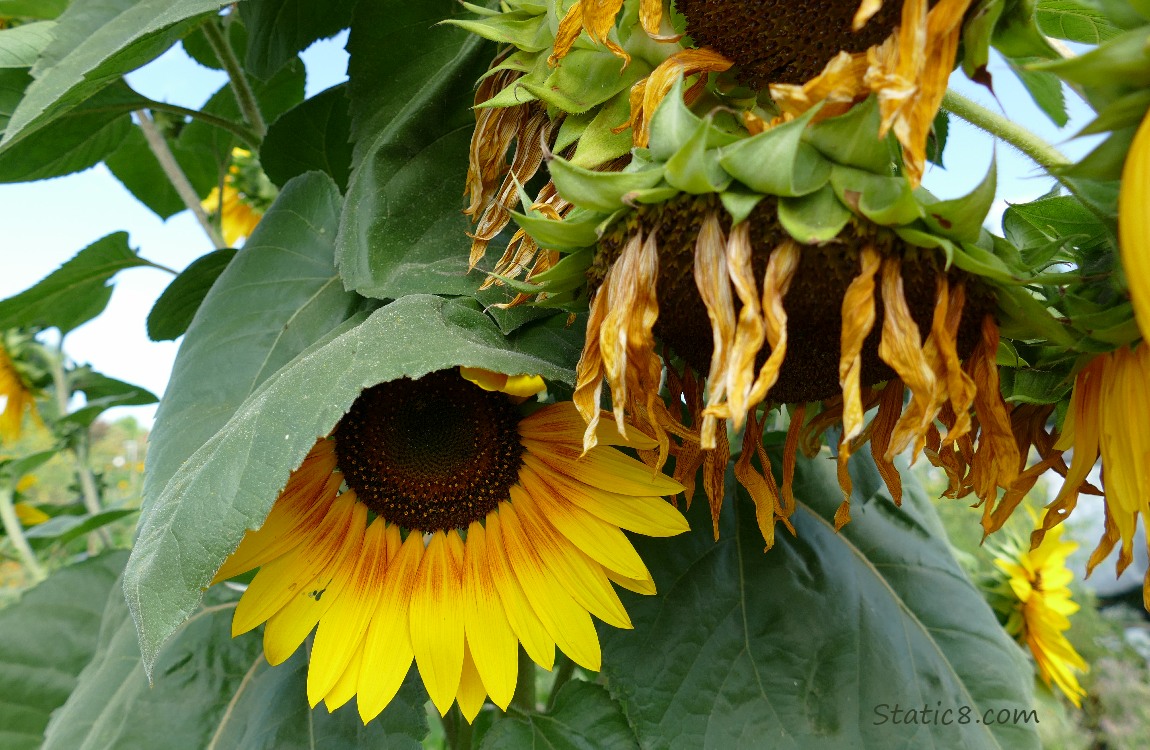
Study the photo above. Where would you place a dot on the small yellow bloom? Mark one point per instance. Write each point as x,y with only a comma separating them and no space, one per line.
30,515
1038,585
237,218
15,399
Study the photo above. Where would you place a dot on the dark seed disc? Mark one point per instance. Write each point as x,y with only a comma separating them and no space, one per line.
783,41
430,454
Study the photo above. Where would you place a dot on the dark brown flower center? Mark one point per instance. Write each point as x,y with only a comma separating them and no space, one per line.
813,303
430,454
783,41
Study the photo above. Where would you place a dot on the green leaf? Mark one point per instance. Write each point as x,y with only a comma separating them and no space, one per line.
314,135
64,528
584,716
20,46
75,141
96,42
278,29
818,217
102,393
852,139
33,8
177,305
197,46
230,483
777,161
808,644
1044,88
586,78
884,200
1123,60
402,229
75,292
961,218
1074,21
214,692
599,191
694,169
48,637
274,299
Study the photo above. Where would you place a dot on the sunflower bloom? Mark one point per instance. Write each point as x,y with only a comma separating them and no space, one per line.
1040,604
1134,224
237,219
16,399
1104,421
463,529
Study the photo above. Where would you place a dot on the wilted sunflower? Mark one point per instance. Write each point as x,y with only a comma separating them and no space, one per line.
16,399
805,53
442,522
1032,592
786,267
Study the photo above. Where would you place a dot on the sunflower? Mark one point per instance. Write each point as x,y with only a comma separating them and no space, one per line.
1032,592
245,194
16,399
710,256
439,521
30,515
903,54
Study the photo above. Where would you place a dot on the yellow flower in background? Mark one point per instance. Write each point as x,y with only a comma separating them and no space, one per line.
1108,418
466,528
1134,224
1041,605
16,399
30,515
237,218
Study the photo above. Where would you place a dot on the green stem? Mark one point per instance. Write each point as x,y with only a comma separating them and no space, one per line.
456,729
159,146
1041,152
15,534
79,449
562,675
240,87
245,134
525,684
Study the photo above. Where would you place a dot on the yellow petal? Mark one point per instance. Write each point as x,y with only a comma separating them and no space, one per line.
583,578
471,694
436,627
345,623
644,586
285,577
536,638
513,385
387,651
1134,224
30,515
647,515
562,423
598,539
566,622
492,644
287,628
348,682
603,467
713,281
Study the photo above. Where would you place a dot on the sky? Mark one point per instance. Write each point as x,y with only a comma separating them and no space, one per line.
47,222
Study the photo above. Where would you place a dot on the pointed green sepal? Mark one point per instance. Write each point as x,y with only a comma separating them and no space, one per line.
672,125
585,79
777,161
814,218
576,231
599,143
695,169
739,202
852,139
528,33
961,218
599,191
888,201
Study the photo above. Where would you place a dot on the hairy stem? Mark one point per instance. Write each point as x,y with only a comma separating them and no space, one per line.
176,176
1041,152
240,86
562,675
456,729
245,134
15,534
525,684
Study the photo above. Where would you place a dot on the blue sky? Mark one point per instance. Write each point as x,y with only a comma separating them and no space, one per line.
47,222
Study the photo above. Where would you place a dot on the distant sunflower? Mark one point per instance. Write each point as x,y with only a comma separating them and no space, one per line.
30,515
245,195
1035,597
463,528
16,399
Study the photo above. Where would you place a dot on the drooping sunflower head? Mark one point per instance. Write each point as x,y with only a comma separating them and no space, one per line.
1030,590
447,521
789,266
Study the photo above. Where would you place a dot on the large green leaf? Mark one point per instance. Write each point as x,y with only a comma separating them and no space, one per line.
278,29
214,692
177,305
45,640
230,483
33,8
812,644
20,46
584,718
97,41
402,230
313,135
275,298
76,140
75,292
1075,21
